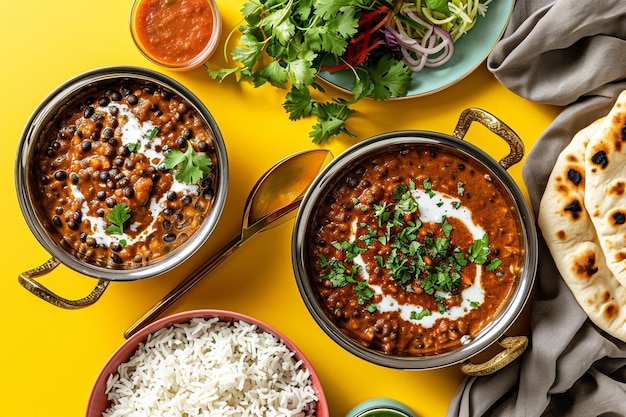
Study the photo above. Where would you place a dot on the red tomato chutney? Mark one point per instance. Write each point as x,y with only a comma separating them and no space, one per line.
174,31
413,251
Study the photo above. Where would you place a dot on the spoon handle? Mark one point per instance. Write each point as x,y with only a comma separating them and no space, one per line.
185,285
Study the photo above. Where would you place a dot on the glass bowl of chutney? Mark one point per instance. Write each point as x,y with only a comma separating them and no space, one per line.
180,35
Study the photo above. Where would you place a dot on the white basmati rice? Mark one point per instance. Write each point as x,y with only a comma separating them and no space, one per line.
211,368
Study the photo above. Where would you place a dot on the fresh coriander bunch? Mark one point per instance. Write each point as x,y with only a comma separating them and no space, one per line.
287,43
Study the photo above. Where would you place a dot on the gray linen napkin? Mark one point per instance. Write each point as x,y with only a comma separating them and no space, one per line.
569,53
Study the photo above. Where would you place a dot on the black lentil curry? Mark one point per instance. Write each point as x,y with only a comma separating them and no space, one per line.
125,174
414,250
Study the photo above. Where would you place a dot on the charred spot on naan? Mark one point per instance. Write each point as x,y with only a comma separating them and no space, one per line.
600,158
575,176
561,235
585,265
574,208
618,218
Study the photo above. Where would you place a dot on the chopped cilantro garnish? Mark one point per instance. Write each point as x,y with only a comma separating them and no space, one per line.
399,191
418,260
383,212
480,250
372,308
340,275
406,203
460,188
351,249
441,307
446,227
134,147
415,315
363,291
493,265
428,187
153,133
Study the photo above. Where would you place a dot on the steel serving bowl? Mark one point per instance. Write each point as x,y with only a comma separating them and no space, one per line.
98,401
495,330
27,182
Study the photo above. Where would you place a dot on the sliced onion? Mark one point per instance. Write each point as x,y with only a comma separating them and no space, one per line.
415,64
435,49
447,52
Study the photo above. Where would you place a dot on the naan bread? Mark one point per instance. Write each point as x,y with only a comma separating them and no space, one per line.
569,233
605,188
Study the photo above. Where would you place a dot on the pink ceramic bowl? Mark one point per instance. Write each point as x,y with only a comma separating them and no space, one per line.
98,401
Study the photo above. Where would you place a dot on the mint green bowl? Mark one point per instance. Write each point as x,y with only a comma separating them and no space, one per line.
381,407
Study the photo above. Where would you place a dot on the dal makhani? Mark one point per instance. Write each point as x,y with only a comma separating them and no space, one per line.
415,250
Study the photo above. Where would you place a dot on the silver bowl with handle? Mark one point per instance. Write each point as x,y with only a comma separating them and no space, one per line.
112,103
362,319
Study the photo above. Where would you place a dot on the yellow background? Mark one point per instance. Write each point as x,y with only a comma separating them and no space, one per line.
50,356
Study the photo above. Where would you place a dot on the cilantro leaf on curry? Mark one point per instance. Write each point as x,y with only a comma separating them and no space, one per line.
189,166
120,214
480,250
134,147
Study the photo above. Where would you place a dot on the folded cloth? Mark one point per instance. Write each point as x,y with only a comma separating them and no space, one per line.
569,53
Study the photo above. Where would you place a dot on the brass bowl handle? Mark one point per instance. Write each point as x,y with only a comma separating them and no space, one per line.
27,279
495,125
514,347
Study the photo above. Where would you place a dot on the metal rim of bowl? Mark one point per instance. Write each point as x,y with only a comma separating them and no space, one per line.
492,332
47,110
